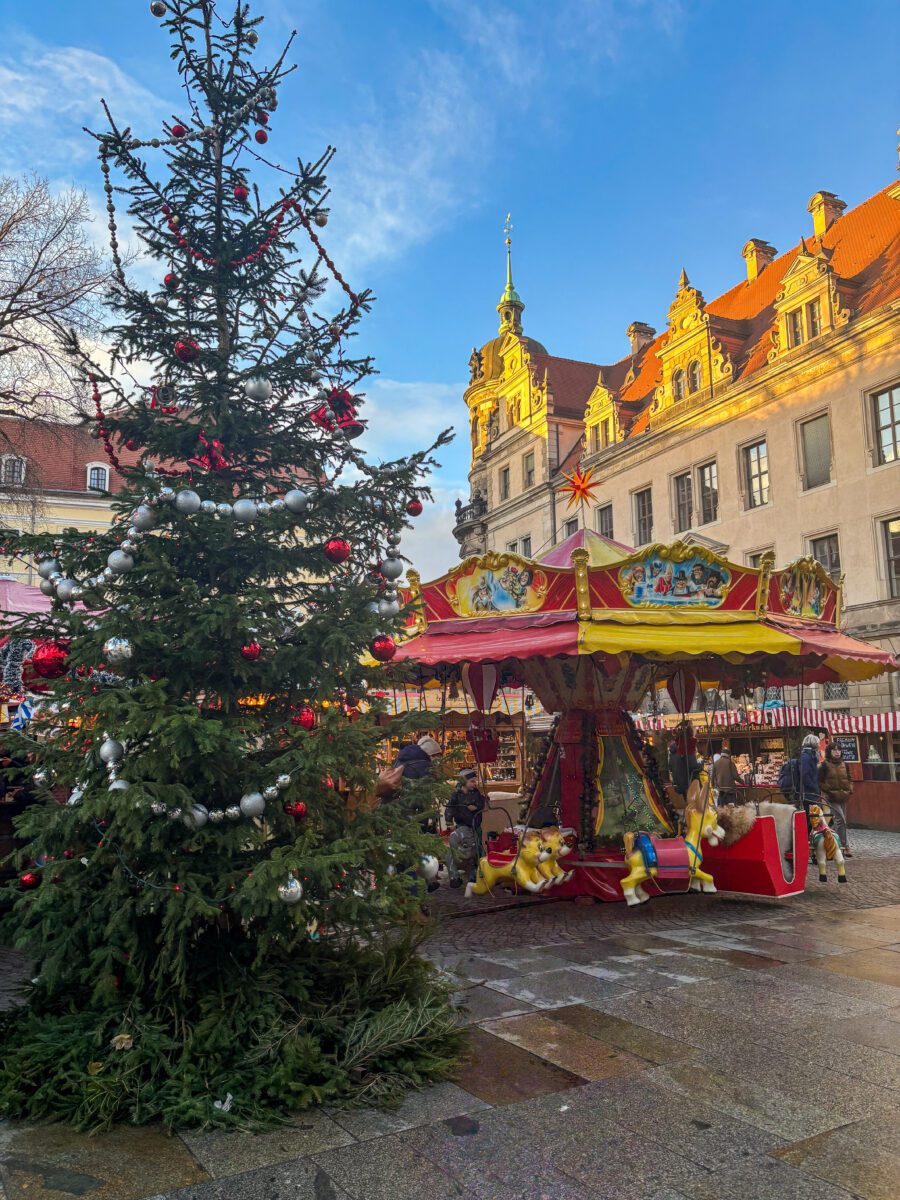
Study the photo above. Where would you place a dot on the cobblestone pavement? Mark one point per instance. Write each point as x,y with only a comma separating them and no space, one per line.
696,1048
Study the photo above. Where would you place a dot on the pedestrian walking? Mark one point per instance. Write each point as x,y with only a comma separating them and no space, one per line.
726,777
836,787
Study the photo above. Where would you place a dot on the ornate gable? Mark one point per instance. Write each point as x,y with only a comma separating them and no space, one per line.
601,427
812,300
697,353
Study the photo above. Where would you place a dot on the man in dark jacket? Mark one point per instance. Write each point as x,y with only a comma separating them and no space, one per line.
416,760
809,771
726,777
464,812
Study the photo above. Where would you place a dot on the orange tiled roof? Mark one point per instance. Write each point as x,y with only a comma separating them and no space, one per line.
570,381
57,454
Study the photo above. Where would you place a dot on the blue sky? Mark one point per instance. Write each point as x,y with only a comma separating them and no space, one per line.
629,138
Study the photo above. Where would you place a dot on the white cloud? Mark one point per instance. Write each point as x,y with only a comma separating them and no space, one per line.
404,416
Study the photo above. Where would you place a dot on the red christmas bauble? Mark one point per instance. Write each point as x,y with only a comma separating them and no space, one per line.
262,117
251,651
171,281
305,718
296,810
68,853
337,550
414,508
241,193
132,444
178,131
383,648
30,879
49,659
187,351
261,136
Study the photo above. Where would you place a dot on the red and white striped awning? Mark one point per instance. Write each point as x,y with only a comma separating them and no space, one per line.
791,718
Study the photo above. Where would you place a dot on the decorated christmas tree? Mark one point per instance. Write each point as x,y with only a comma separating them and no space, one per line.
220,920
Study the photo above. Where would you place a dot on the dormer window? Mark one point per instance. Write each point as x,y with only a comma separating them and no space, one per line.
678,384
795,328
12,470
693,376
813,319
97,477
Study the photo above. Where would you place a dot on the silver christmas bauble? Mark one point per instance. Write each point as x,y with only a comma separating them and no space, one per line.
296,501
253,804
47,587
263,508
278,506
374,607
429,868
393,539
207,507
270,793
224,510
48,567
258,388
161,301
166,495
232,812
108,574
117,650
64,589
187,502
77,591
388,608
128,545
143,517
119,785
118,562
133,534
158,8
76,795
392,568
196,817
252,37
158,808
56,577
41,776
283,781
111,751
321,219
174,814
245,510
290,891
216,816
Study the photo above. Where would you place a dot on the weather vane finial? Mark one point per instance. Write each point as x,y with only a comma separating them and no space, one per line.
508,228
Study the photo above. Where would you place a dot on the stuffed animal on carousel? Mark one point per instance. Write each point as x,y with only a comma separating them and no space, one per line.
522,871
825,844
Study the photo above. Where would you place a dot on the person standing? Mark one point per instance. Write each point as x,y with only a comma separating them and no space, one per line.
836,787
726,777
464,811
809,771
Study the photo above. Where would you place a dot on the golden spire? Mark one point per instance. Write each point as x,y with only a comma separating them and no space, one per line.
511,303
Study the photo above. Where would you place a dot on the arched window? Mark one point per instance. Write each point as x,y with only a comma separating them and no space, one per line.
678,384
97,477
694,376
13,470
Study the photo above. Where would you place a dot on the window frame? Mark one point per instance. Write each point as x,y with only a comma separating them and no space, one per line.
526,471
679,385
795,336
647,490
821,536
746,475
677,514
801,424
7,460
872,396
693,387
701,467
602,508
512,547
891,577
503,483
758,555
594,439
89,470
568,531
813,327
525,546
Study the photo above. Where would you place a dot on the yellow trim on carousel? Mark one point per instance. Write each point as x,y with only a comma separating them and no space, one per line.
601,754
732,641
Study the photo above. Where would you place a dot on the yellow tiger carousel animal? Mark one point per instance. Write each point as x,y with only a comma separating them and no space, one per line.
520,872
554,839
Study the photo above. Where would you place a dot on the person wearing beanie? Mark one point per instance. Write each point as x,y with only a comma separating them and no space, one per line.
809,771
463,812
416,760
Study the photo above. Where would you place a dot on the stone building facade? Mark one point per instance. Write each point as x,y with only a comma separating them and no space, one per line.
767,418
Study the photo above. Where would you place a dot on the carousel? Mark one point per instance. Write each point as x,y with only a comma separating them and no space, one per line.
592,630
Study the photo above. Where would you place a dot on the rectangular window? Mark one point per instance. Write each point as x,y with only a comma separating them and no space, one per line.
14,470
795,328
892,554
570,527
813,319
754,559
504,483
684,500
595,439
512,547
815,444
756,474
825,549
643,516
97,479
886,420
528,470
708,476
604,432
604,520
525,547
837,691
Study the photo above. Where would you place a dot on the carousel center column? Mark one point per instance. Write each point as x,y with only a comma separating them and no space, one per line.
577,739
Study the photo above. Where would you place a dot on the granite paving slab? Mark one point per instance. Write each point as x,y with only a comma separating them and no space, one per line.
857,1061
435,1103
227,1152
876,965
478,968
763,1178
479,1003
566,1047
867,1170
637,1040
301,1180
812,974
627,1167
741,959
880,1032
531,961
389,1168
47,1162
499,1073
554,989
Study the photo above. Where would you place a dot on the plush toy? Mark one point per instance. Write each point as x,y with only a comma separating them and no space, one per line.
825,844
522,871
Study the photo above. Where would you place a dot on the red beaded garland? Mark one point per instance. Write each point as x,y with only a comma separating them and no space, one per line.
336,550
383,648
